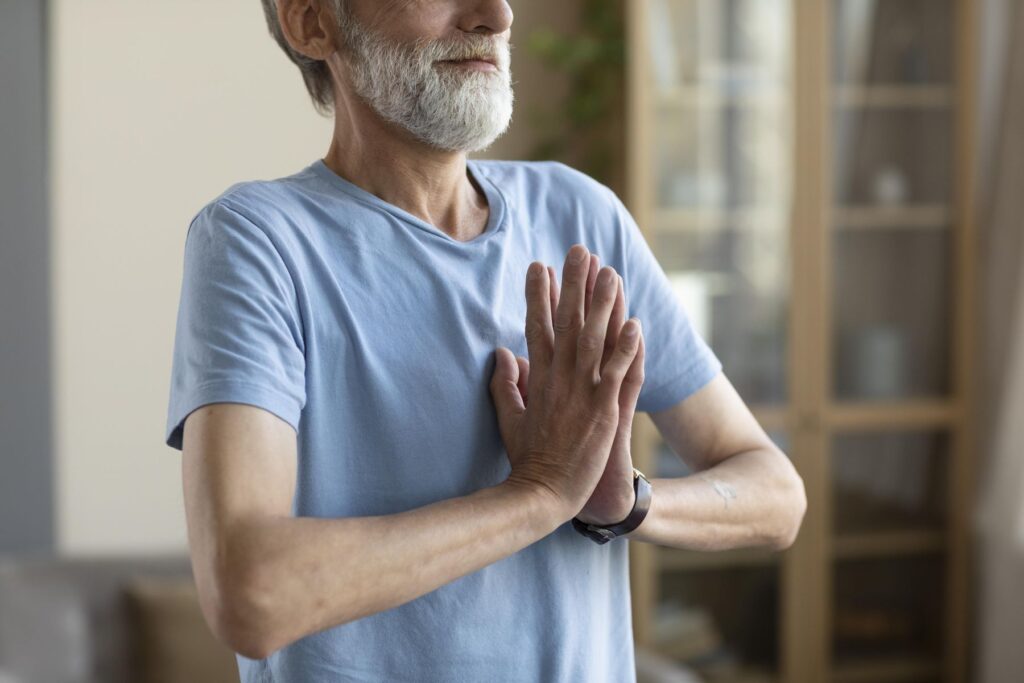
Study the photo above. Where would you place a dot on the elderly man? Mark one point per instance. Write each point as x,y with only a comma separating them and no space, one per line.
405,446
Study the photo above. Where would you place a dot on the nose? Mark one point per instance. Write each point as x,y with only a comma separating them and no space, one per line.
486,16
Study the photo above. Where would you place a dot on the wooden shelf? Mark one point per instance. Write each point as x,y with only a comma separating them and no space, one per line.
882,96
712,219
710,95
739,675
894,96
868,217
891,415
676,559
886,670
887,544
709,674
934,216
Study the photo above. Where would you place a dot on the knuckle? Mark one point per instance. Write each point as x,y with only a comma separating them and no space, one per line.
589,341
534,331
633,381
613,373
550,393
604,295
565,323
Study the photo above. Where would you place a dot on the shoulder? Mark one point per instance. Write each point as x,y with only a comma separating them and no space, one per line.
260,208
263,200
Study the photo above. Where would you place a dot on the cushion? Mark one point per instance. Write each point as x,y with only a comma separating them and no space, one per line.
171,640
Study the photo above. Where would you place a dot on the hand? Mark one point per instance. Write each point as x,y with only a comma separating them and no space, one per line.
560,441
613,498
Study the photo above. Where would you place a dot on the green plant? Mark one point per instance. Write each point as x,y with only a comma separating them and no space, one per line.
585,129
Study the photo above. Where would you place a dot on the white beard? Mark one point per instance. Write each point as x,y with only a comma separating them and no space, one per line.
450,108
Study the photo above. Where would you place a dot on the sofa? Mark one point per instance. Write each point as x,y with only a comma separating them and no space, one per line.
132,619
105,620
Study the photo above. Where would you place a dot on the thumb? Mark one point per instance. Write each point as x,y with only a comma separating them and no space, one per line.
505,388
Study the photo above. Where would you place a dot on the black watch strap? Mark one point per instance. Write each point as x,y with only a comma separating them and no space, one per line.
603,534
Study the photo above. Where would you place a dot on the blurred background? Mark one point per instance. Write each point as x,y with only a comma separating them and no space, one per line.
833,187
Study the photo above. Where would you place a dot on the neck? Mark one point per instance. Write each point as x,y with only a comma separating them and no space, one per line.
388,162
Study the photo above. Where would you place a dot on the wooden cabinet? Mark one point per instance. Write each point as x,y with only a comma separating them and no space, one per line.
800,168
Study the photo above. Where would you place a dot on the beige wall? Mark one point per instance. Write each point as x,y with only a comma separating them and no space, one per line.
156,108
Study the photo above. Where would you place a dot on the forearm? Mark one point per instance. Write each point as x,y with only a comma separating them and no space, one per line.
302,575
750,499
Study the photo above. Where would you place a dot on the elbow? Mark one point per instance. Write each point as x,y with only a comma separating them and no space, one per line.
795,505
239,613
241,621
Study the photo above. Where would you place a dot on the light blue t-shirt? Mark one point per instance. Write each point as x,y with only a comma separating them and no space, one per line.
372,333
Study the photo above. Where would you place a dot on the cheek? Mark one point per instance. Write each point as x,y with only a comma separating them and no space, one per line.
427,19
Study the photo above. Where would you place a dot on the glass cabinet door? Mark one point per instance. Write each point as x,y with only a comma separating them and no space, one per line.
716,108
893,144
892,292
720,112
875,413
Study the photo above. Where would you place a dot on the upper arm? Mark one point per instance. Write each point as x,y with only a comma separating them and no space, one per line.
238,466
710,425
239,336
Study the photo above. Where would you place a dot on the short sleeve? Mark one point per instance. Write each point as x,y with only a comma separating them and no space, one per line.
239,336
678,361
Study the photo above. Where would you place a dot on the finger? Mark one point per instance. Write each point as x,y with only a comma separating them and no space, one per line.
615,322
613,373
507,401
632,382
554,290
524,378
595,266
539,333
590,345
569,315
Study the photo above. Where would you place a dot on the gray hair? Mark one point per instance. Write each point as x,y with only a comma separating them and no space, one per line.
314,71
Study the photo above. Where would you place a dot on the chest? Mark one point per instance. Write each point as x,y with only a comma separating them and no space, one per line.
405,328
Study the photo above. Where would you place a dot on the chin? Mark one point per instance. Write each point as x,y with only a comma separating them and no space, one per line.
472,136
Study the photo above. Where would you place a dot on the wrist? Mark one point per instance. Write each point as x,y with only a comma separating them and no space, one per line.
602,533
545,507
616,513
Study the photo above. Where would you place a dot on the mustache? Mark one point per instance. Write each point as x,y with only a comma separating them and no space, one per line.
471,47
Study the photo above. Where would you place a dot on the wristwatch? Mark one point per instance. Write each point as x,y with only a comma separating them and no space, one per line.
603,534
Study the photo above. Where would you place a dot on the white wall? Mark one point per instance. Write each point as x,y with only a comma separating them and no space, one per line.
157,106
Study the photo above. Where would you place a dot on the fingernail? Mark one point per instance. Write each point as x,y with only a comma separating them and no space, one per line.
577,254
632,327
533,272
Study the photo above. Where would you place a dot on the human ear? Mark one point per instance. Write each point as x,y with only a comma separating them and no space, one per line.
309,26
